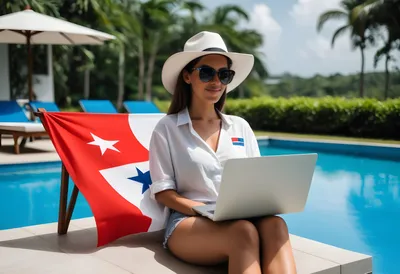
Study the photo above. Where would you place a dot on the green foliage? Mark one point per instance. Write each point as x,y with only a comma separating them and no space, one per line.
149,31
368,21
367,118
335,85
327,115
162,105
128,67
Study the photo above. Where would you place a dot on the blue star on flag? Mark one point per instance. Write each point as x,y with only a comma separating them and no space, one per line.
143,178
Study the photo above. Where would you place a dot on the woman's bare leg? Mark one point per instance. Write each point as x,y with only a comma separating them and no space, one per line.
276,250
201,241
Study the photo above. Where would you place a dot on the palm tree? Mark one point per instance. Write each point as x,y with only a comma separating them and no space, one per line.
225,20
154,23
193,7
107,15
385,51
383,14
160,19
49,7
353,23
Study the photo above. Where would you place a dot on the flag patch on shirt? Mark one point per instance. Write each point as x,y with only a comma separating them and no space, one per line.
236,141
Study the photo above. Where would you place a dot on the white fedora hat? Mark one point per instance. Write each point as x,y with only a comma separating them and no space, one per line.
204,43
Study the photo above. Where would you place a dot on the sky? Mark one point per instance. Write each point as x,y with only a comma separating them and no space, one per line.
292,43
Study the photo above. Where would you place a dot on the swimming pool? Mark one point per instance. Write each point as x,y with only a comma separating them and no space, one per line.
354,201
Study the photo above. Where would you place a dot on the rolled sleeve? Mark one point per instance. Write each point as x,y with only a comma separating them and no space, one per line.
160,165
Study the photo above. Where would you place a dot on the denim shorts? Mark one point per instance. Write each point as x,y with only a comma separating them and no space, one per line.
174,219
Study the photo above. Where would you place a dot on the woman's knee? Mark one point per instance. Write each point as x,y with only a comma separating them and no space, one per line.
274,226
243,234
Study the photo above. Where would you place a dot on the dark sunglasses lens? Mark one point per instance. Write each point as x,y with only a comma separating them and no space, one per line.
206,74
226,76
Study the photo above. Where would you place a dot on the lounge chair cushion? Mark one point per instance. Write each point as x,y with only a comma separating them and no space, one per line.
10,111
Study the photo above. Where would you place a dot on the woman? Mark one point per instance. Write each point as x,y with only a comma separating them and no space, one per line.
188,149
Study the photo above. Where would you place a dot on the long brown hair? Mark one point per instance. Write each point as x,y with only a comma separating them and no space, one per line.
182,96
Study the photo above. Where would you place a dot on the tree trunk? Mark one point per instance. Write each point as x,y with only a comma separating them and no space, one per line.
241,92
387,76
141,70
150,66
86,84
362,73
121,77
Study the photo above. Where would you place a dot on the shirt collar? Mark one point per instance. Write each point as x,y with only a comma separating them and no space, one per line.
184,118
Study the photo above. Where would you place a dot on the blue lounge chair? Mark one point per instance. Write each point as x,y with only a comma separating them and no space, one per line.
48,106
10,111
97,106
141,107
13,121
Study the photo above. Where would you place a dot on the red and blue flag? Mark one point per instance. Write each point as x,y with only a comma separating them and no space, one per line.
107,158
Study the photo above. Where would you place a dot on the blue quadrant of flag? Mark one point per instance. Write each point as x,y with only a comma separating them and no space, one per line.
236,141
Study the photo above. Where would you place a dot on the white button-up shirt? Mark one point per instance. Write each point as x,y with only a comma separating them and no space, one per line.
181,160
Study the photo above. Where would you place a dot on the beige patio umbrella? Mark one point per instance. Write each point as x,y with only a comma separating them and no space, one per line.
29,27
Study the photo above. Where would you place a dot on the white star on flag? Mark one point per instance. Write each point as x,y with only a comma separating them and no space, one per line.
103,144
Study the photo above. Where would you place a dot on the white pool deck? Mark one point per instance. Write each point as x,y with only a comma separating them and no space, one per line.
39,249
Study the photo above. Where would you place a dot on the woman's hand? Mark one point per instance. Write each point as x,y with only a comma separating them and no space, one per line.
171,199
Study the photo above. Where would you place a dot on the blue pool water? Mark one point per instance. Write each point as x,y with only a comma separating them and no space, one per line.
29,195
354,203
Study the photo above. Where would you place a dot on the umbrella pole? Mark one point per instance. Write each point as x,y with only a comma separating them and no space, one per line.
28,42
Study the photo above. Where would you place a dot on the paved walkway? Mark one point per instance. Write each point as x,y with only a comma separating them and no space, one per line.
39,249
36,151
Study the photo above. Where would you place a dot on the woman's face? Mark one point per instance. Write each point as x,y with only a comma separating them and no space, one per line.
212,90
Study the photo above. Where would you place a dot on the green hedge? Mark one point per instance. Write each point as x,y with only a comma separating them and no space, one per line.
327,116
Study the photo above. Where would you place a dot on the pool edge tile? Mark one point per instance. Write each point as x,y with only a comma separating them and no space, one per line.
48,228
14,234
350,261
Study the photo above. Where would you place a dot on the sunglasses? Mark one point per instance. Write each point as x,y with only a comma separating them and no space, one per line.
206,74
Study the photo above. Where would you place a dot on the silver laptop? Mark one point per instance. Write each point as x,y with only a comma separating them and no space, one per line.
262,186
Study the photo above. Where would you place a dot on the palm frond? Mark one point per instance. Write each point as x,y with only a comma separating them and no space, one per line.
350,4
193,6
384,51
371,6
222,13
329,15
340,31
